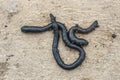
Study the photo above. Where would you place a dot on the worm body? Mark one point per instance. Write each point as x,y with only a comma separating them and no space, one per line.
69,39
77,28
71,45
35,29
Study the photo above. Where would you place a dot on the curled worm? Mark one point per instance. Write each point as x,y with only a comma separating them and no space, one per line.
77,28
69,39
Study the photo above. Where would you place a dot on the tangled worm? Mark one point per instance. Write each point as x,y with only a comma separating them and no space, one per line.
68,37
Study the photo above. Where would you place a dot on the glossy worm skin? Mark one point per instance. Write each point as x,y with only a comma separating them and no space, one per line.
35,29
55,50
71,45
77,28
68,39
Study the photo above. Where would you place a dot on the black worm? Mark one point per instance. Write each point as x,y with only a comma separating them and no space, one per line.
36,29
77,28
68,37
